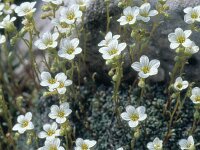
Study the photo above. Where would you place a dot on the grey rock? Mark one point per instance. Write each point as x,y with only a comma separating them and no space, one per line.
158,48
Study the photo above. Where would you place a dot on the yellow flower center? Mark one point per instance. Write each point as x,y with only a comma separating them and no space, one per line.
64,25
197,99
52,81
70,50
145,69
134,117
48,42
181,39
70,16
61,85
144,14
179,85
84,146
129,18
50,132
194,15
157,147
61,114
53,148
25,124
112,51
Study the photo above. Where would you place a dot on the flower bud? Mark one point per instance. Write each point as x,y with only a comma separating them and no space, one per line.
114,78
141,83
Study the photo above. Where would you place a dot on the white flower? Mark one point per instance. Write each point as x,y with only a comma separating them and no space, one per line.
145,13
114,49
192,48
47,40
25,9
195,95
120,148
70,14
7,22
53,144
108,38
179,37
55,2
2,39
62,27
187,143
84,144
82,3
69,48
24,123
130,14
192,14
63,82
180,85
7,8
47,80
157,144
146,68
134,115
50,131
60,113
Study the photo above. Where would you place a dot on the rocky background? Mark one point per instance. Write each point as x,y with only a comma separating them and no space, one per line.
95,21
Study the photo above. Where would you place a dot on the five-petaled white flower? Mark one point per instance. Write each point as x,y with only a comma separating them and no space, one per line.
145,13
7,8
191,49
47,40
187,143
53,144
134,115
25,9
108,38
50,131
180,85
84,144
7,22
47,80
130,14
60,113
70,14
195,97
179,37
114,49
55,2
146,68
69,48
192,14
63,82
62,27
24,123
157,144
2,39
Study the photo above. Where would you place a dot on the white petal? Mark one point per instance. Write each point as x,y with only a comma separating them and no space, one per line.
133,124
125,116
136,66
79,142
174,45
153,13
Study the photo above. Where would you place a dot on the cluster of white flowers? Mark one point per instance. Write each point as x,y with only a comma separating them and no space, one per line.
110,47
7,8
59,83
132,14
